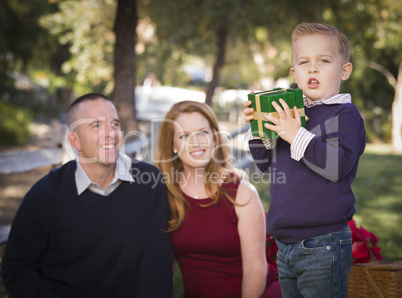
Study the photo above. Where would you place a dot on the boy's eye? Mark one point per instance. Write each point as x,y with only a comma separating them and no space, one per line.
324,60
302,62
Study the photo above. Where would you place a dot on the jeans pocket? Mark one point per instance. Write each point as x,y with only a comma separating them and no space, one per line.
317,244
346,255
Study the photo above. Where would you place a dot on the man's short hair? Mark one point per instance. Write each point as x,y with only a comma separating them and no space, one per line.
75,103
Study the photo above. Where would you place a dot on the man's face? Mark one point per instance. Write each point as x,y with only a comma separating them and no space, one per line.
97,132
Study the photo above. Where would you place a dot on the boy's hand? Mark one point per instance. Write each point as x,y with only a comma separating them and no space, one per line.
247,111
286,126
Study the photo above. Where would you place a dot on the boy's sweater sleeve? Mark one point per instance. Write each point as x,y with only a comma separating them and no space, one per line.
27,243
261,155
336,148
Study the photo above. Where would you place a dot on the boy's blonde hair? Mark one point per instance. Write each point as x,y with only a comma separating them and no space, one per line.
304,29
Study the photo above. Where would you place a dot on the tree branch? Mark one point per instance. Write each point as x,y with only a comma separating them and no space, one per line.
378,67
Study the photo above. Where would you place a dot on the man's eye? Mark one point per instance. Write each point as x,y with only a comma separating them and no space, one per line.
115,124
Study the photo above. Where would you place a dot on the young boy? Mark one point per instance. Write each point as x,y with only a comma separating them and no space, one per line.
311,207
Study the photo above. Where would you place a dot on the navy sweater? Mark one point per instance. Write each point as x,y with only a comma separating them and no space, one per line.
65,245
313,196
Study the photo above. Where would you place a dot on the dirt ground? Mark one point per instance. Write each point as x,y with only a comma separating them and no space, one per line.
13,188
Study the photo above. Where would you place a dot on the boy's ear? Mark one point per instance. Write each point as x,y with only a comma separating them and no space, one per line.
346,71
74,140
292,70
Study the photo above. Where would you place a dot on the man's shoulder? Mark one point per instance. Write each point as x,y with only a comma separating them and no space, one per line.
144,172
143,166
53,182
62,171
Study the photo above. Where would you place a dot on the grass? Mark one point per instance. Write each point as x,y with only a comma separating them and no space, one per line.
378,191
177,283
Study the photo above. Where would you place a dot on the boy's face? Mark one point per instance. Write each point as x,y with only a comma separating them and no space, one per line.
318,66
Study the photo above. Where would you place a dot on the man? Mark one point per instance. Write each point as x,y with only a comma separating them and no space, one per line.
93,227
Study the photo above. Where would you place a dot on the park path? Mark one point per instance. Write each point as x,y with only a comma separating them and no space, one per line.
26,160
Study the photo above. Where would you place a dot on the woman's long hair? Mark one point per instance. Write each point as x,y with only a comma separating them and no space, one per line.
171,166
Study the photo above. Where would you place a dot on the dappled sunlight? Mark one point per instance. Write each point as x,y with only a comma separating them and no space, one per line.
12,192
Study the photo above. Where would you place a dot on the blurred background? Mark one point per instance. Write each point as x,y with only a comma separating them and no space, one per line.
52,51
148,54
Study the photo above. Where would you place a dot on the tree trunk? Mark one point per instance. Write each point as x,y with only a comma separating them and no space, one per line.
397,115
396,105
125,63
222,34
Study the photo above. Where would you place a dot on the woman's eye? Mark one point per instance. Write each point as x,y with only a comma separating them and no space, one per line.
204,132
183,136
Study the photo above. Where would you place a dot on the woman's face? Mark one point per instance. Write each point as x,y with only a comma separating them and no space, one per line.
193,140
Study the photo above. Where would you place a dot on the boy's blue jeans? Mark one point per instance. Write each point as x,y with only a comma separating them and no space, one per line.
317,267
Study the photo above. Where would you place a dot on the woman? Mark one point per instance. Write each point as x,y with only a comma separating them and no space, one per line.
217,220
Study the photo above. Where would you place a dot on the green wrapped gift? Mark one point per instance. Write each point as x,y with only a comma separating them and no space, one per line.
262,104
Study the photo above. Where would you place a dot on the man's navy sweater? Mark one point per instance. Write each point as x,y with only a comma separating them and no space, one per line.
65,245
313,196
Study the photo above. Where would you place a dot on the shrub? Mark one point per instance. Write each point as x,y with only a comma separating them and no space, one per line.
14,124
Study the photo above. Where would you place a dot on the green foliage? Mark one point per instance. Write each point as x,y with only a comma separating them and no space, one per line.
90,40
240,68
23,41
373,28
52,38
28,50
14,124
377,188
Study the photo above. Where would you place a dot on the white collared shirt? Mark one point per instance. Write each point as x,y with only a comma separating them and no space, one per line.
335,99
121,173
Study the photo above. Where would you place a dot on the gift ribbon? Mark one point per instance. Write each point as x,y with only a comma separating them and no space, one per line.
258,115
259,123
